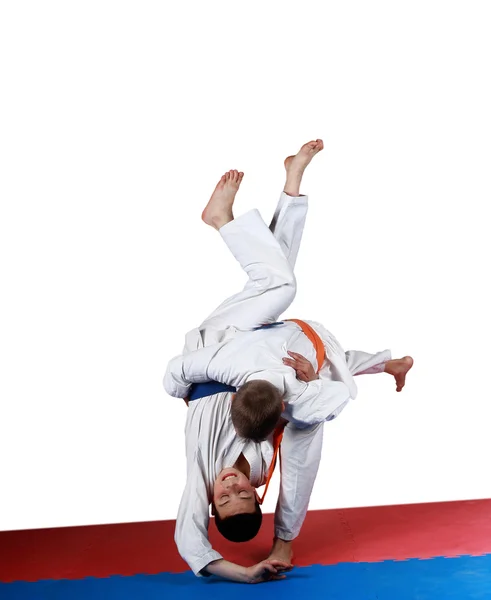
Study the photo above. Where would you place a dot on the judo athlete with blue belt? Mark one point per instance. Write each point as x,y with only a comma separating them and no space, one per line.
224,469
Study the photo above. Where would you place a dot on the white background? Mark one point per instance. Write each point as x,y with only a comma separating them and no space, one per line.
117,120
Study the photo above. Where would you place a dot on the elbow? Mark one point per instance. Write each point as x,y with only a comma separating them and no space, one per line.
174,388
168,383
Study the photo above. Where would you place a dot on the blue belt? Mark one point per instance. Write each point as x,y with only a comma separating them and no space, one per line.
202,390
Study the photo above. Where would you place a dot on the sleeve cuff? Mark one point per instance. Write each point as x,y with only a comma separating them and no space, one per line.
175,388
198,565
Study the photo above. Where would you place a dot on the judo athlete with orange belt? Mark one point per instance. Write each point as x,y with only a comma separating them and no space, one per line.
245,396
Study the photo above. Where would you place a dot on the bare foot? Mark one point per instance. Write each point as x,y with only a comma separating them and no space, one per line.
296,165
306,153
281,550
399,368
218,211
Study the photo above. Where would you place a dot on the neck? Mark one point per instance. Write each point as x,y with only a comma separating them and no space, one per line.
243,466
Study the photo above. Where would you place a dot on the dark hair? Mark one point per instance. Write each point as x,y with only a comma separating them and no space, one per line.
242,527
256,410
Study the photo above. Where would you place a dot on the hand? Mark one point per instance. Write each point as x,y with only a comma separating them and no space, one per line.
303,368
268,570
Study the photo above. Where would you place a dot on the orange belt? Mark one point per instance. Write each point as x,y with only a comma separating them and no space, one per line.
278,433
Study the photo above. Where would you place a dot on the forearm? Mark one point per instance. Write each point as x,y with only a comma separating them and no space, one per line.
315,402
186,369
228,570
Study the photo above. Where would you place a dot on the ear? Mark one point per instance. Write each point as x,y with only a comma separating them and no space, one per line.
282,407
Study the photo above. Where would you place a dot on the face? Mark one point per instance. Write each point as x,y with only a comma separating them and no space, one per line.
233,494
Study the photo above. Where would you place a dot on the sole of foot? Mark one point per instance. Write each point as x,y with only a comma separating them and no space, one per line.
218,211
404,366
302,159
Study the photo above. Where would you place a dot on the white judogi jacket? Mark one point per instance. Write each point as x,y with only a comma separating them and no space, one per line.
225,349
211,446
248,355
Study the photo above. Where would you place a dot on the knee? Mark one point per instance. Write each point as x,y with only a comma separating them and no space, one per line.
280,286
290,288
286,291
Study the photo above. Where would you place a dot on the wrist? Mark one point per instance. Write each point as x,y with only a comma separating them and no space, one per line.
246,575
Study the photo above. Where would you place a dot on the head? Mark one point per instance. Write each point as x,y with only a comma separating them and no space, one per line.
238,516
256,410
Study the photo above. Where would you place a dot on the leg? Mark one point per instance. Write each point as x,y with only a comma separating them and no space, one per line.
268,257
271,284
362,363
289,217
288,224
301,451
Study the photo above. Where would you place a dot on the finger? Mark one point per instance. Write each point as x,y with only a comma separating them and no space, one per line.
289,361
304,364
297,356
279,563
295,365
302,376
269,567
303,372
284,569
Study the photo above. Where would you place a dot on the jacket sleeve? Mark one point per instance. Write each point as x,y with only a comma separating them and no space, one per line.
314,402
186,369
191,535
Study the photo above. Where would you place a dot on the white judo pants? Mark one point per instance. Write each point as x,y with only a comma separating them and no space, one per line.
268,256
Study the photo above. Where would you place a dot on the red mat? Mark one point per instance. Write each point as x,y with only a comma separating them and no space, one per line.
328,537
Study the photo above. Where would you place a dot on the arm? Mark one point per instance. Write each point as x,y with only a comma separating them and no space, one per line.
175,382
192,541
330,389
191,535
263,571
186,369
313,402
307,403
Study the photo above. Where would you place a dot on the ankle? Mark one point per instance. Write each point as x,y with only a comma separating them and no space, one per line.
292,188
388,367
221,220
278,542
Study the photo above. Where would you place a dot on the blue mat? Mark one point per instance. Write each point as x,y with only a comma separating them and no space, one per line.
462,578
